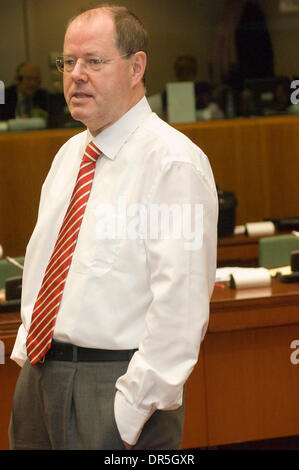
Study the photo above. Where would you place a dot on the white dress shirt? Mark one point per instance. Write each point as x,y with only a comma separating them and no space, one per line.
134,281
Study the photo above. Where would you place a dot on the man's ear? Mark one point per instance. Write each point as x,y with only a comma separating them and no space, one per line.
138,66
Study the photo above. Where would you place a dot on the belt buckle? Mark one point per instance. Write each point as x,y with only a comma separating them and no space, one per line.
42,360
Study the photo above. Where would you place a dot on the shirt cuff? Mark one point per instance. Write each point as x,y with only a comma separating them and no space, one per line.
129,419
19,352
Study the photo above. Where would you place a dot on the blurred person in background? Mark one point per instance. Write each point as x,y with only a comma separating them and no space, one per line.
25,98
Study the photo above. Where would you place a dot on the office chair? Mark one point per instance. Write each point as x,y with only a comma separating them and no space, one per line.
276,250
8,270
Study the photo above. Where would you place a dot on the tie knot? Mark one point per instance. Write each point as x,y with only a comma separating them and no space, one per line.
91,153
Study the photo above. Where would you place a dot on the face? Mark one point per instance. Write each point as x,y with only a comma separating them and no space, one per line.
97,98
29,79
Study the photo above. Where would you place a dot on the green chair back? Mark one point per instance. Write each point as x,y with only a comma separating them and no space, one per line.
276,251
9,270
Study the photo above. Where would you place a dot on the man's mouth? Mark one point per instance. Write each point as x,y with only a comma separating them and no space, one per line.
80,96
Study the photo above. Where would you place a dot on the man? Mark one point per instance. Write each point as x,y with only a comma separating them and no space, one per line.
135,302
26,97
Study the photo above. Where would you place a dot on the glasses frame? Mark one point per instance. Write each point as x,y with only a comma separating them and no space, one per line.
87,66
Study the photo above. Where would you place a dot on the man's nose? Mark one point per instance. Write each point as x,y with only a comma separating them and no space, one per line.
79,71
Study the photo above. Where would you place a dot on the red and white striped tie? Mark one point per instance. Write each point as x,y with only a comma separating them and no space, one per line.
49,297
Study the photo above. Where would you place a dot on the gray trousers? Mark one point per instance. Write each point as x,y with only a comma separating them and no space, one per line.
70,406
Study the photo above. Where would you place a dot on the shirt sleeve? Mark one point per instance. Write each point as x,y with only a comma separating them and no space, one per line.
19,352
182,264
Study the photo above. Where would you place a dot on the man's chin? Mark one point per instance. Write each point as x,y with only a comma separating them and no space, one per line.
78,115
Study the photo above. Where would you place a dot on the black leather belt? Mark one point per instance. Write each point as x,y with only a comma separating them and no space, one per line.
69,352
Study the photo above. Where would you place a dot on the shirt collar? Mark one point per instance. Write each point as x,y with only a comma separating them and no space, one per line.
111,139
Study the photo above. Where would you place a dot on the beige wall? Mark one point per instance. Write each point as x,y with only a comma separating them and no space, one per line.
175,27
284,31
12,44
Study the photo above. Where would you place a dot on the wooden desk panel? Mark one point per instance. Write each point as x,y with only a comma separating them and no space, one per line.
196,424
251,384
241,309
238,250
218,140
257,158
9,372
8,378
279,154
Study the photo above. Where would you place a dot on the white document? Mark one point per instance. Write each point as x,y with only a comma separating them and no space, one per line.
181,102
155,102
241,278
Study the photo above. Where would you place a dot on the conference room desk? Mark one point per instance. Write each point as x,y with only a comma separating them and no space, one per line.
9,323
244,386
237,250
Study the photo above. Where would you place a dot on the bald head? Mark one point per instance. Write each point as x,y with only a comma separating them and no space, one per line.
130,36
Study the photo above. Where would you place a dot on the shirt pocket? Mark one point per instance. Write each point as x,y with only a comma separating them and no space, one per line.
98,246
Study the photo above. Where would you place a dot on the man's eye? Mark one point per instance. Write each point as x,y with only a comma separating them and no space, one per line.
95,61
69,62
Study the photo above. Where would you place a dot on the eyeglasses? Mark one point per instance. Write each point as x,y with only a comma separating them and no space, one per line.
68,63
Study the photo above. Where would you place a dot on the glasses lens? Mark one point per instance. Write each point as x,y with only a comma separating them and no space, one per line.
60,64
